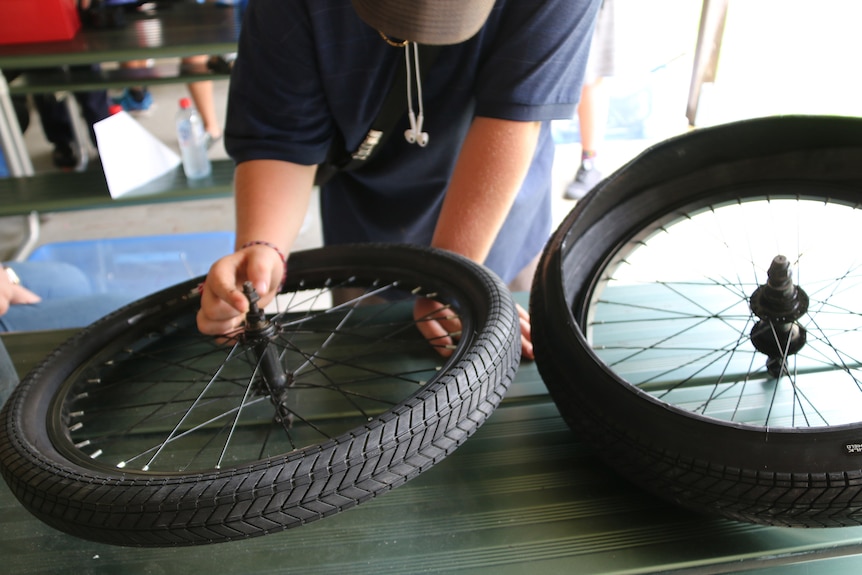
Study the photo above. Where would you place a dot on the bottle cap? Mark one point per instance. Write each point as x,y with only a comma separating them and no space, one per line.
185,103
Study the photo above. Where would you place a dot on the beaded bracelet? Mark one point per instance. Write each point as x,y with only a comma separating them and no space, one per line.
278,251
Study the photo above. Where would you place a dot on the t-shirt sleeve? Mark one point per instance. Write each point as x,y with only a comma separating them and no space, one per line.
289,86
276,106
536,61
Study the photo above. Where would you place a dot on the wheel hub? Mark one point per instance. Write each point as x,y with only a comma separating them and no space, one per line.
778,304
259,333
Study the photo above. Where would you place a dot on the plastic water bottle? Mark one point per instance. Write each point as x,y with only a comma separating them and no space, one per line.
192,138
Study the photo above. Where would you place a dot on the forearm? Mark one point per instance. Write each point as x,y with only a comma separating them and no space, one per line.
272,198
271,202
491,168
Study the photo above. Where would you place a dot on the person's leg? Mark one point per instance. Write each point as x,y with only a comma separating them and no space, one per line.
135,99
94,107
52,280
524,280
593,106
203,96
68,299
204,100
54,115
22,111
57,126
592,117
57,123
66,313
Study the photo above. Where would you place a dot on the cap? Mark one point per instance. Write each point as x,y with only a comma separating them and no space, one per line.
435,22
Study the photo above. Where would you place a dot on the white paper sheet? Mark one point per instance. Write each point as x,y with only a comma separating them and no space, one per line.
131,156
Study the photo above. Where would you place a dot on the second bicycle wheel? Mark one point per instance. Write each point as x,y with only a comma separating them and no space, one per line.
141,431
699,318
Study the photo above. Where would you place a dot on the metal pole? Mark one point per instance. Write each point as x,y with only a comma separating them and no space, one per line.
11,139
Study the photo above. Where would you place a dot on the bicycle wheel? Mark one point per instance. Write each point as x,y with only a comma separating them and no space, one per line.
141,431
697,318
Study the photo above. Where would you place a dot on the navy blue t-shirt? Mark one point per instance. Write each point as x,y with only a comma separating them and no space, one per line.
306,68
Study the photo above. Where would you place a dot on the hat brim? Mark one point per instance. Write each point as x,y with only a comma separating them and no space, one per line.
435,22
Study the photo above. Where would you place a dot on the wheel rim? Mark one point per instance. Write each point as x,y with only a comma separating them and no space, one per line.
670,313
164,399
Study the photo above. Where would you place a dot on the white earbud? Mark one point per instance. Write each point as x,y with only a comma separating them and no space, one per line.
414,134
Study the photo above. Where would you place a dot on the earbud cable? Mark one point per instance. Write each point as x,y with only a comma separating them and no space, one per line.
419,120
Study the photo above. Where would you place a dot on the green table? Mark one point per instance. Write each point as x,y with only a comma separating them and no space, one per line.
61,191
523,495
181,29
178,29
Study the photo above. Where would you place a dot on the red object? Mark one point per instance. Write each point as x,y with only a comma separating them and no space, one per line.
24,21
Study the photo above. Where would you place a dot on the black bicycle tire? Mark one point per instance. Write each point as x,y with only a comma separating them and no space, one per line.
785,477
280,492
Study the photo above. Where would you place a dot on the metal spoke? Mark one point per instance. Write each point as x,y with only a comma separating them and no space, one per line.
679,322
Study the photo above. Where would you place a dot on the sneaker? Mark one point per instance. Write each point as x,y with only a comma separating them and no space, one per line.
136,102
64,156
585,180
221,64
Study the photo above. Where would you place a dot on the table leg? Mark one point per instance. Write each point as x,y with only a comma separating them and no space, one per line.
709,37
31,238
11,139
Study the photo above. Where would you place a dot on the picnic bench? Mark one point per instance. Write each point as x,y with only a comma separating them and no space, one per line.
59,191
178,29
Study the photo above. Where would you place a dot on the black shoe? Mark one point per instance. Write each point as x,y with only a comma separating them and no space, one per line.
64,156
585,180
220,64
